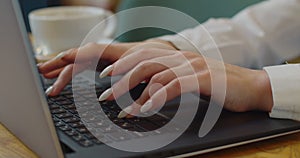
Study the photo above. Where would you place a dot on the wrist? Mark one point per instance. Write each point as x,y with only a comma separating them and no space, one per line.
263,91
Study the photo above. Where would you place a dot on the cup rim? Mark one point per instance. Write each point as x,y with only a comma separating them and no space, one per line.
40,14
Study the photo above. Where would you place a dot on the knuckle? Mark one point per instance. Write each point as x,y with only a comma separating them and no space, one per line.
188,54
143,51
205,74
157,78
176,84
143,66
198,63
146,50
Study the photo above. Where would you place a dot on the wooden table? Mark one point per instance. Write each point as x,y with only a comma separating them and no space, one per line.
281,147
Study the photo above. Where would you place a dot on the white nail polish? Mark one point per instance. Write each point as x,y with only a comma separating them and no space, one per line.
125,112
106,71
60,55
105,94
146,107
49,90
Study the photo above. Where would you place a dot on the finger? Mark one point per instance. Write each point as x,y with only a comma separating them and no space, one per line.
173,89
151,88
64,78
131,111
53,74
142,72
58,62
85,53
130,80
163,78
88,53
130,61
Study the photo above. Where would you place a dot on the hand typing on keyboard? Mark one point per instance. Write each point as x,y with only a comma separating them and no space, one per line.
168,71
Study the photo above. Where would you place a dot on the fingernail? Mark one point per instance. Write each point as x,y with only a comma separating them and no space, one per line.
60,55
39,64
49,90
147,106
125,112
106,71
105,94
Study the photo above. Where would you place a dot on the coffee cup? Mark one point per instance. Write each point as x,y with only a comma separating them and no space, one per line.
56,29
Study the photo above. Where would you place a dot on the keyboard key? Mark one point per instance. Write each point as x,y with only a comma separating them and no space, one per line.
63,115
59,124
66,91
70,106
65,128
64,102
99,124
158,120
58,98
73,111
86,143
77,124
109,129
58,111
53,106
78,138
126,125
118,121
69,96
71,133
111,115
71,120
82,130
90,136
92,119
146,125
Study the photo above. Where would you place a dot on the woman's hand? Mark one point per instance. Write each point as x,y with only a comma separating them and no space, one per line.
171,73
61,67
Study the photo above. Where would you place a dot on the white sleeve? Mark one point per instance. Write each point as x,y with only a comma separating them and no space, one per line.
285,83
261,35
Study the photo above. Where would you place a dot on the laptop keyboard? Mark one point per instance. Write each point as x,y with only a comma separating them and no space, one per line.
66,118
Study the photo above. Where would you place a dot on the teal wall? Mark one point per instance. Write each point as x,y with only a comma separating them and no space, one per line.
201,10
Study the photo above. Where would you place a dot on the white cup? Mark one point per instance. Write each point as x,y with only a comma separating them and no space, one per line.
56,29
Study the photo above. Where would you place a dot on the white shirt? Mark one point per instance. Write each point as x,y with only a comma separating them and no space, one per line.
259,36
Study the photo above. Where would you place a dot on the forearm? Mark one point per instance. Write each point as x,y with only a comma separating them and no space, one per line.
258,36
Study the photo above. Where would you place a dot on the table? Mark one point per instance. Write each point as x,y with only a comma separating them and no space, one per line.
281,147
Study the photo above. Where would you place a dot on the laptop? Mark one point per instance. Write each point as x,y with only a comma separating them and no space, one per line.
61,127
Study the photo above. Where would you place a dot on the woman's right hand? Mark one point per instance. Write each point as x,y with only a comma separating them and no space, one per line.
61,67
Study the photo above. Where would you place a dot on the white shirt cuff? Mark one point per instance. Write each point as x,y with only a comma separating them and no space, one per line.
285,83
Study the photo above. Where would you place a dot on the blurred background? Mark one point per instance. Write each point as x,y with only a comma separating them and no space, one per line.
201,10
